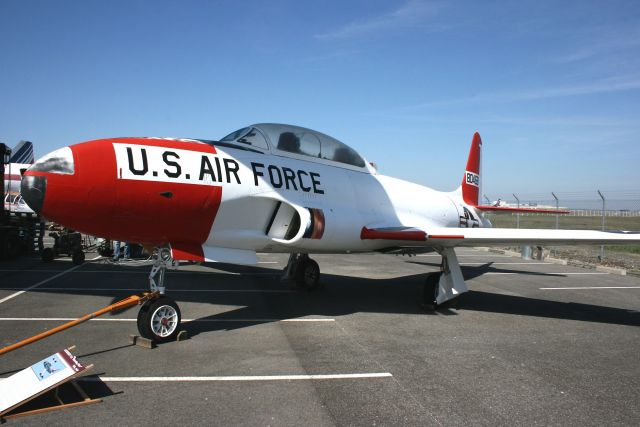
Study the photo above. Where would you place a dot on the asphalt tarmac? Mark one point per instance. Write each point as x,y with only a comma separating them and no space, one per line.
531,344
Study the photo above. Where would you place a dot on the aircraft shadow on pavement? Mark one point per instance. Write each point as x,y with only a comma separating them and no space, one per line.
470,272
339,295
344,295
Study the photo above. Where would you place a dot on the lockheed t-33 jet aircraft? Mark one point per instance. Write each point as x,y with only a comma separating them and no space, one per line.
267,188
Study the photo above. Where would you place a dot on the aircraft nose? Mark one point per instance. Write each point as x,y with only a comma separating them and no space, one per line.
34,185
33,189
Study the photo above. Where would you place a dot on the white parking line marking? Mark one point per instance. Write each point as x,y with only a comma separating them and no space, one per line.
13,270
268,262
173,290
62,273
68,319
5,299
481,255
558,273
182,272
240,378
581,274
592,287
507,263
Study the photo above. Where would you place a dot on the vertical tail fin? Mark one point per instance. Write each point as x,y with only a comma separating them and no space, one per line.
22,153
471,178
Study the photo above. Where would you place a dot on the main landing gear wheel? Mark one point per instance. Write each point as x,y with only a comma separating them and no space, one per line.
431,291
158,319
308,274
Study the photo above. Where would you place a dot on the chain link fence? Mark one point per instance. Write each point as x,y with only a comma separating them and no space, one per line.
588,210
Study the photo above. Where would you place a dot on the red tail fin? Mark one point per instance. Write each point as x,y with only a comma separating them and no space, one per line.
471,178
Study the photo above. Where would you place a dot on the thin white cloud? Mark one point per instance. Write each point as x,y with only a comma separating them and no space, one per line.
603,86
411,14
605,42
331,56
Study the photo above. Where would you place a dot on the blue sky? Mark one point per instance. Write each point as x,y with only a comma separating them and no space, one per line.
553,87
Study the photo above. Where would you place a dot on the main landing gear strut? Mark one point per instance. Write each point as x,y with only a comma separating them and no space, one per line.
158,319
443,289
304,271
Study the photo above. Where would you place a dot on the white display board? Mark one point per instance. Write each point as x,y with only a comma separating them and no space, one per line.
37,379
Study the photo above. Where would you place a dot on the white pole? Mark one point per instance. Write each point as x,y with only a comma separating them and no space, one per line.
557,208
603,210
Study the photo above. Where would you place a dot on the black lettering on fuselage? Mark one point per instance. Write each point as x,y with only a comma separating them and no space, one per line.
176,165
145,165
284,177
231,167
218,168
206,168
289,176
277,184
315,183
256,173
302,186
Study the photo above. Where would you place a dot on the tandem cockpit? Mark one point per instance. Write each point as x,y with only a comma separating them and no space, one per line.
296,142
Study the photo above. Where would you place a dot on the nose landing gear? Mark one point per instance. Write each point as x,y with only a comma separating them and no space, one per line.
159,319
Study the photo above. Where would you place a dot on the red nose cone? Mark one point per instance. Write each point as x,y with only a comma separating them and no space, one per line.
93,197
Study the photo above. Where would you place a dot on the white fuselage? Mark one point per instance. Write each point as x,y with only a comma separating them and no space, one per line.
350,199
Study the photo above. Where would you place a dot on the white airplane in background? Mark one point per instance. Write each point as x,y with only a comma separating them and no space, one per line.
267,188
21,159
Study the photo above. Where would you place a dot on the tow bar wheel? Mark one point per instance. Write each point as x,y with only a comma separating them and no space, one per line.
159,319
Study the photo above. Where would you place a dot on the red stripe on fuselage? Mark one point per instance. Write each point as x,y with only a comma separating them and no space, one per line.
187,252
369,234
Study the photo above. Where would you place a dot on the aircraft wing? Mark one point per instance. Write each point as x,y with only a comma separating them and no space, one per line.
451,237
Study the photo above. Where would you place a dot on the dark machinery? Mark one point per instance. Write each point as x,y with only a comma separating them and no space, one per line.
20,233
67,242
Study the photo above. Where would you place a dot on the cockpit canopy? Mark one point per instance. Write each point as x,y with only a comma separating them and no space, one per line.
295,140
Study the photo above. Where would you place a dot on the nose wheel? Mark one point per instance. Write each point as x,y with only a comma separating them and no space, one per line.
158,319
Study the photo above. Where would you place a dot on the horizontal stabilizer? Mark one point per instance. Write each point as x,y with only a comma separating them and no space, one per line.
22,153
510,209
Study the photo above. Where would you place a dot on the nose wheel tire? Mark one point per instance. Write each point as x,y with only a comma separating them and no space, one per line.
308,275
158,319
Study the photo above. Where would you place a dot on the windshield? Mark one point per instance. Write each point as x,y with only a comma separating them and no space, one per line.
307,142
247,136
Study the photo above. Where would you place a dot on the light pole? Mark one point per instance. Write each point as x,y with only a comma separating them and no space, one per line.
517,213
603,210
557,208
